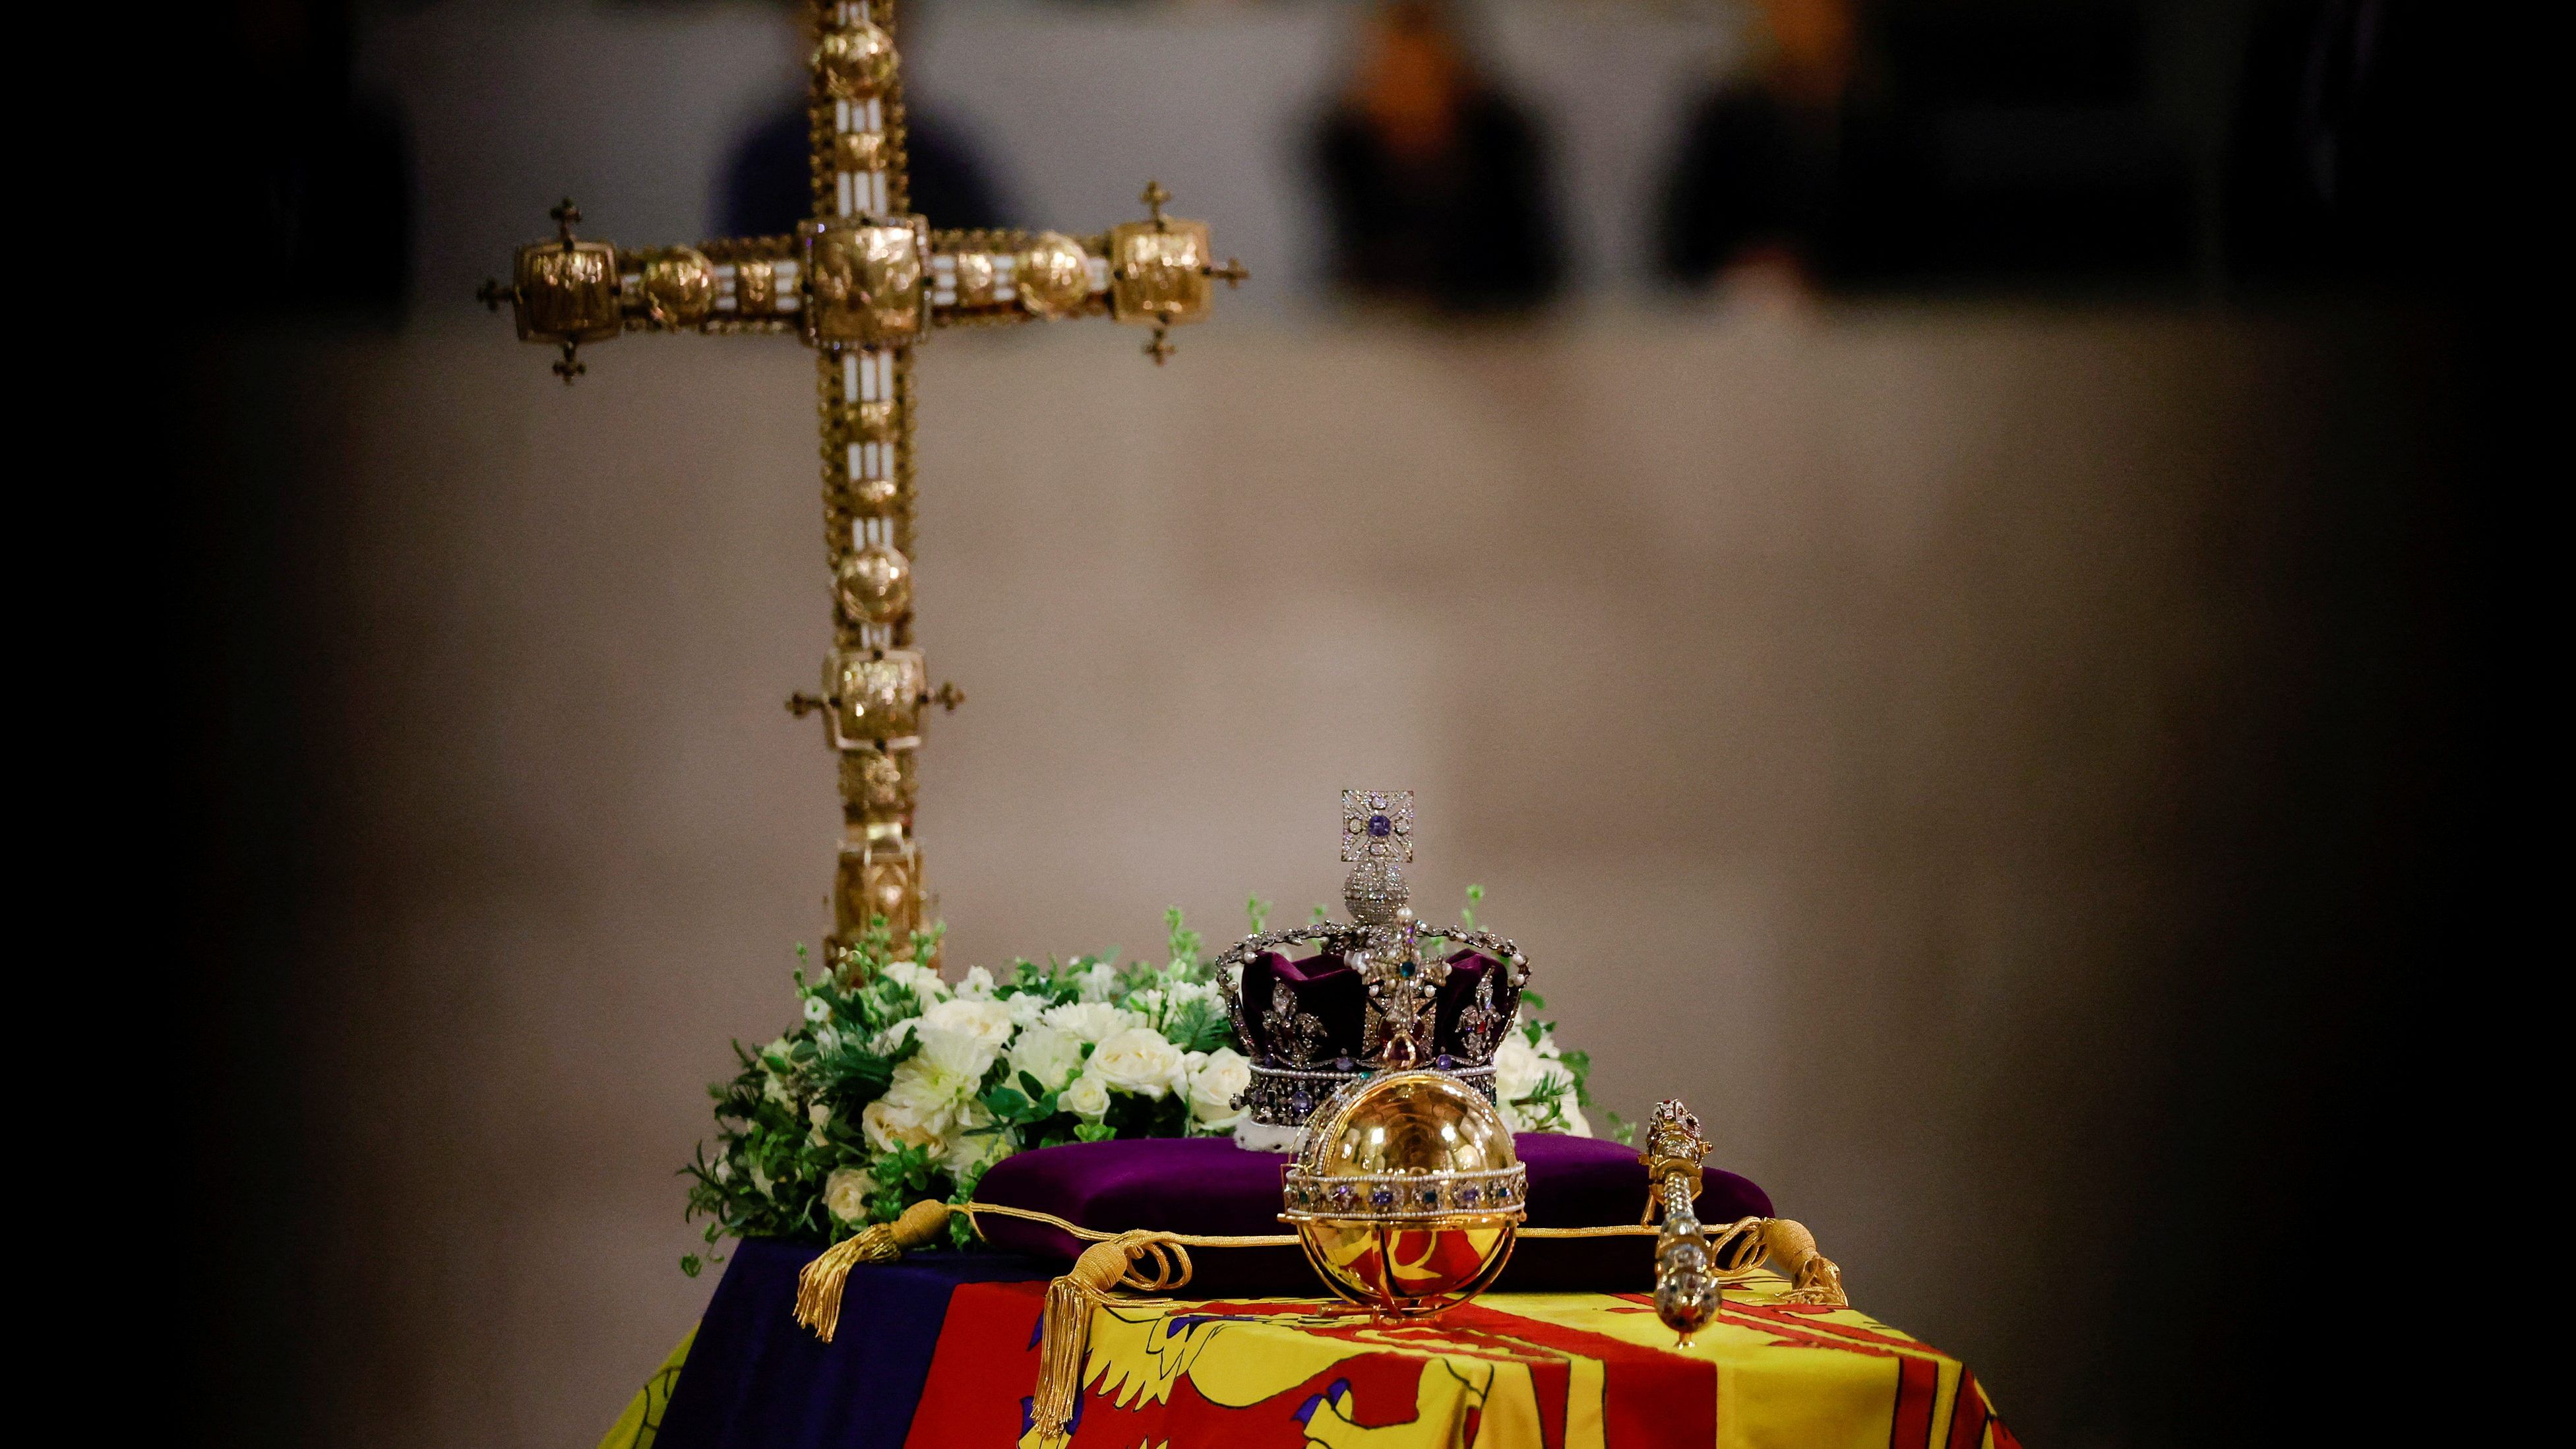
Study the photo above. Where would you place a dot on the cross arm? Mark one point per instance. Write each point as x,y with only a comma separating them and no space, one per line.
866,280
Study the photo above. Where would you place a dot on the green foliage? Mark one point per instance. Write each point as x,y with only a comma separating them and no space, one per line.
793,1156
793,1115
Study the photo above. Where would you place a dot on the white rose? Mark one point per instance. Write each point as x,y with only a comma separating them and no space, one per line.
1214,1084
1090,1021
1026,1006
1518,1069
1139,1060
978,984
957,1059
889,1123
984,1019
968,1150
925,983
1047,1054
846,1192
1575,1123
1099,983
1088,1097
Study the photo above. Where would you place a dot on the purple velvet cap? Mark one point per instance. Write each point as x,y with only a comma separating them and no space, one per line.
1209,1185
1326,988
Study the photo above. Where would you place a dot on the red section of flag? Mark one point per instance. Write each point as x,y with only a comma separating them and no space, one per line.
1968,1414
1648,1396
1918,1384
984,1370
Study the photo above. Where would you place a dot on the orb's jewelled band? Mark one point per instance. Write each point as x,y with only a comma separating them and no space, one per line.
1399,1197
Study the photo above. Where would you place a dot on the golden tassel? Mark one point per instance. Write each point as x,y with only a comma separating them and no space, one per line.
818,1288
1065,1326
1813,1278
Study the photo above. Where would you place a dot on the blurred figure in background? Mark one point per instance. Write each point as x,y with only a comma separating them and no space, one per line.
1434,178
2355,147
308,186
1756,184
766,187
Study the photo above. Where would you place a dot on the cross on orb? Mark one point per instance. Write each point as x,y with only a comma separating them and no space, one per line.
863,281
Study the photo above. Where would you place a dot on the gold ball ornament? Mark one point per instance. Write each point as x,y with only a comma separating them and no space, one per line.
1407,1195
860,151
1053,275
875,586
856,60
679,287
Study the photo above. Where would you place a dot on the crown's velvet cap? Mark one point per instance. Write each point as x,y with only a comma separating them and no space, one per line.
1328,1005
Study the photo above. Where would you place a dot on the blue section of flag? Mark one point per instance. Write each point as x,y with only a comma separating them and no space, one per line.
757,1379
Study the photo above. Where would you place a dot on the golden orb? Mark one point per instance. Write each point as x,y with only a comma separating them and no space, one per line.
856,60
1407,1195
1053,275
875,586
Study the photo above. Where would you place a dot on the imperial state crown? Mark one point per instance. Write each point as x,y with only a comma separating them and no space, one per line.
1380,990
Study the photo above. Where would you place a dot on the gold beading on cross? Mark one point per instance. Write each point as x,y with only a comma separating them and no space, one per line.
863,281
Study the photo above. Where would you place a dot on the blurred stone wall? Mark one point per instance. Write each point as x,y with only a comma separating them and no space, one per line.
633,108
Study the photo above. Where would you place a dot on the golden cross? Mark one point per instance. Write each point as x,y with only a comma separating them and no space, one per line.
863,281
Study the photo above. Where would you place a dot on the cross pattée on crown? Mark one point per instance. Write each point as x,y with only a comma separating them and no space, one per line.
1377,825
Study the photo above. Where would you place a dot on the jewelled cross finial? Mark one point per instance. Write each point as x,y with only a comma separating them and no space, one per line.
1377,825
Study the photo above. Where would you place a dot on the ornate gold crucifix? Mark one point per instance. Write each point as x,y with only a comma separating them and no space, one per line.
863,281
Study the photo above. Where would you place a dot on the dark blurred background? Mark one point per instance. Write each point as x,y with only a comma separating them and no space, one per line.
1951,567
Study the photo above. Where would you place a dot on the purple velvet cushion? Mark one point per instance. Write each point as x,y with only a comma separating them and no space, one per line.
1209,1185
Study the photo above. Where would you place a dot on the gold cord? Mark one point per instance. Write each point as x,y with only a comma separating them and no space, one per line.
1064,1341
1094,1235
818,1287
1813,1278
1155,1262
1264,1240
